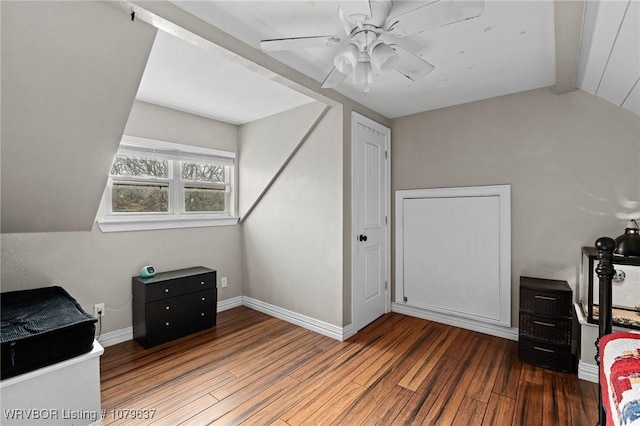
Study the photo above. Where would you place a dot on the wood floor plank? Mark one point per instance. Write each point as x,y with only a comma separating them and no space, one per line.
532,374
186,411
391,354
341,372
446,406
391,406
276,368
499,410
179,393
421,369
555,405
509,372
261,400
334,406
583,401
529,403
470,413
258,370
487,371
426,395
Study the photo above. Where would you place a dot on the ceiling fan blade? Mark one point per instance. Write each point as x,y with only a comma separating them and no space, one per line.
411,66
334,79
298,43
433,15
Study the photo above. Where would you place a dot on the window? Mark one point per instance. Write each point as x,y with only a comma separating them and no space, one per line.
156,185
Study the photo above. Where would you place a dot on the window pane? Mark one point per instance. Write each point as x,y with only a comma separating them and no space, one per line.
201,172
141,167
204,200
130,198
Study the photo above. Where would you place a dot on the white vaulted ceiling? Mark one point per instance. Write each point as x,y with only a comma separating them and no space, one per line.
182,76
609,64
510,48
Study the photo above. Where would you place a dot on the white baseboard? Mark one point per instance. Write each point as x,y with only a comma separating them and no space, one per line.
234,302
114,337
493,330
588,372
324,328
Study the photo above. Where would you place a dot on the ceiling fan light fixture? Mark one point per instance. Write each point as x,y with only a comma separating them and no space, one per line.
363,73
384,58
347,58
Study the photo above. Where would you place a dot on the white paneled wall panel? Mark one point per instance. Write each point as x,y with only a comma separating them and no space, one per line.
451,256
453,252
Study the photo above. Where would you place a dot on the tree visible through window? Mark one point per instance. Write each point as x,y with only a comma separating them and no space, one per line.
140,195
156,182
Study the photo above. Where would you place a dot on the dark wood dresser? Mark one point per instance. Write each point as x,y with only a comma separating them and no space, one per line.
173,304
546,313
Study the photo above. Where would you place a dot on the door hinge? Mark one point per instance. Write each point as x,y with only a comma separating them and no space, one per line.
386,285
386,155
386,220
404,299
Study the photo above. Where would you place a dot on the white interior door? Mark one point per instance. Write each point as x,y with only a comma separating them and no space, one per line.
370,230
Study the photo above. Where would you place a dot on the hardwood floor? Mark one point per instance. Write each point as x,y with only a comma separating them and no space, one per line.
258,370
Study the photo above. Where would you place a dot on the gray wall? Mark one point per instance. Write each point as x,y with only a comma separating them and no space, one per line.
291,78
572,160
97,267
64,109
292,240
265,145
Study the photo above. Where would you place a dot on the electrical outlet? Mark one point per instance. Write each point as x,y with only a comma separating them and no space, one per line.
98,310
223,282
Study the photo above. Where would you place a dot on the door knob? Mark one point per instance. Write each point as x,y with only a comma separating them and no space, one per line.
363,238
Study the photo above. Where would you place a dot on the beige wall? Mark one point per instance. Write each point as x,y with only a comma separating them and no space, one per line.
277,71
292,240
64,109
572,160
266,145
97,267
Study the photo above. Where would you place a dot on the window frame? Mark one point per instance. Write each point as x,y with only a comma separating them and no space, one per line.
176,216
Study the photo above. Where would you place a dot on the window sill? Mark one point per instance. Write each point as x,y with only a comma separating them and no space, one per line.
126,225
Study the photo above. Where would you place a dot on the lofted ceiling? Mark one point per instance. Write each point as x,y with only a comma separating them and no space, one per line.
510,48
182,76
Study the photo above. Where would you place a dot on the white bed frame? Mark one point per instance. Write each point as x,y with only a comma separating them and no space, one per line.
66,393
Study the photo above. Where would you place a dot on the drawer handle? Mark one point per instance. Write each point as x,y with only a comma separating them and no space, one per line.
538,348
203,299
167,307
545,298
544,323
201,282
166,323
201,314
166,290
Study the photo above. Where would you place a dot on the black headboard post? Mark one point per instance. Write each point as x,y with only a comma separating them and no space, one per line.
605,271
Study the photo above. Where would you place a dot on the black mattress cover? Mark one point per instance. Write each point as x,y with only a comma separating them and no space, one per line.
41,327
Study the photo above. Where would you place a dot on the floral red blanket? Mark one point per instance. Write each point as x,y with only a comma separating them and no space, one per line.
620,378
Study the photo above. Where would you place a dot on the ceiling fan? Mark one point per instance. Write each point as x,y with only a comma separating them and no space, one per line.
375,29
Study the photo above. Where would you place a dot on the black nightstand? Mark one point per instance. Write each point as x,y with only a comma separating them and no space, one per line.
546,309
173,304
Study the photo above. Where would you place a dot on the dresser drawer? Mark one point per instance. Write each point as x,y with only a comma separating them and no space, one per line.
546,355
199,282
544,302
202,310
164,290
552,330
